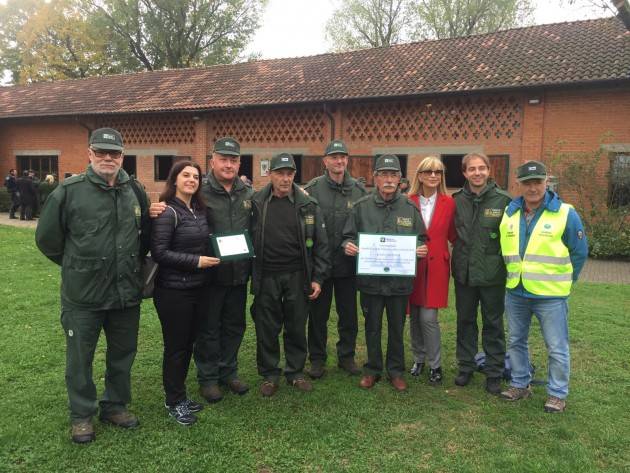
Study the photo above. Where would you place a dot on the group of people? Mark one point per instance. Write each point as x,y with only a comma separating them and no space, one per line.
28,193
99,224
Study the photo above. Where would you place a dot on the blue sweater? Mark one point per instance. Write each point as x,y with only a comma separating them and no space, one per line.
573,237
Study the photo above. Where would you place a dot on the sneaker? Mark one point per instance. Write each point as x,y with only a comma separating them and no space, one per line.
317,369
463,378
268,388
83,431
192,405
435,376
124,419
493,385
416,369
349,366
555,405
515,394
301,384
181,413
211,393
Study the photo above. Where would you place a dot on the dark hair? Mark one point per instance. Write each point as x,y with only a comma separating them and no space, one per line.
169,186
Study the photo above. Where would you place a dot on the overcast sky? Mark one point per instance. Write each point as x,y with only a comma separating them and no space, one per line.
296,27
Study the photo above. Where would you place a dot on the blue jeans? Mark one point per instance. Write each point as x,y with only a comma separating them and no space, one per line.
552,315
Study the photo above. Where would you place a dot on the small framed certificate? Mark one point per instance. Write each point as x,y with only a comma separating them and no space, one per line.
387,255
232,246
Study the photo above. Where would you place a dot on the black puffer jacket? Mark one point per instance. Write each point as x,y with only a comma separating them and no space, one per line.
177,243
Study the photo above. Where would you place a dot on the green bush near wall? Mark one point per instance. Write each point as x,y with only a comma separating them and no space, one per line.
609,241
5,200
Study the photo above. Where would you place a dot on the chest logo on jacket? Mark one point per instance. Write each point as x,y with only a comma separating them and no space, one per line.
493,213
404,222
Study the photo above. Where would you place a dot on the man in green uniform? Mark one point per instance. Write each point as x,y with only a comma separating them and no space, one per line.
386,210
228,201
292,262
479,272
93,226
335,192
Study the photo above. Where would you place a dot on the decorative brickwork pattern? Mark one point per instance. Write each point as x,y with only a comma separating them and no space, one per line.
152,129
449,119
297,125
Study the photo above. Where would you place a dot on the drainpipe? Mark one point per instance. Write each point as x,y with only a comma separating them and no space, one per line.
332,121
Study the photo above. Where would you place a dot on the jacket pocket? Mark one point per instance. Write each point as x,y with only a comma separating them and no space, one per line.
493,242
84,280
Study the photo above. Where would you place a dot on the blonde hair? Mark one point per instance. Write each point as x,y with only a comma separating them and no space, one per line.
430,163
50,179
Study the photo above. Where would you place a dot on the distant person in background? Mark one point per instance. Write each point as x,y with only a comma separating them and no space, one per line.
404,185
10,182
430,288
246,180
36,182
28,195
45,188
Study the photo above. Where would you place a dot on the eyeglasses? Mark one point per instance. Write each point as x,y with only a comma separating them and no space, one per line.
101,153
432,172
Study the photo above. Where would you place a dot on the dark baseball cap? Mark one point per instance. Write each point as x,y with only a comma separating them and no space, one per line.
106,138
387,162
336,146
531,170
282,161
227,146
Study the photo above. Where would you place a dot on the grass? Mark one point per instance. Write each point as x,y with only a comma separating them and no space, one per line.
336,428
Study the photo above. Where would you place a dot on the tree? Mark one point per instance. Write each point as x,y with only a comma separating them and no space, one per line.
374,23
359,24
182,33
454,18
13,16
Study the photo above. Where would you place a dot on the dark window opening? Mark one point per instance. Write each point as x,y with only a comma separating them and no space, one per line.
298,168
619,186
129,165
247,166
453,165
500,169
41,165
163,165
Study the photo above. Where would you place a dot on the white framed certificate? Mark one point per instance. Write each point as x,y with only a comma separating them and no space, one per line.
383,254
232,246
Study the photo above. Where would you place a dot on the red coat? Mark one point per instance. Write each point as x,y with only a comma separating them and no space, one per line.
430,288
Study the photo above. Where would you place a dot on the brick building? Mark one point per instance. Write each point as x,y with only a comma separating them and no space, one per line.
515,95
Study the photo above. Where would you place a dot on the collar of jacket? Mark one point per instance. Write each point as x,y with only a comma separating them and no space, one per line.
384,203
297,197
347,184
551,202
177,202
122,178
489,186
237,184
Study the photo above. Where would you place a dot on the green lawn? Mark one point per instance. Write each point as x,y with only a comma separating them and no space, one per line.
337,427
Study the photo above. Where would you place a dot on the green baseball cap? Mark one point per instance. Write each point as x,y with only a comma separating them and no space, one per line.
336,146
387,162
282,161
227,146
531,170
106,138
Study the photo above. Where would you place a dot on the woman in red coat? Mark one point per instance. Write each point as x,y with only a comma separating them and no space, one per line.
428,192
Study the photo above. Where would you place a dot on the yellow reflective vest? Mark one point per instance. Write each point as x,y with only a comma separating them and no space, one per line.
546,268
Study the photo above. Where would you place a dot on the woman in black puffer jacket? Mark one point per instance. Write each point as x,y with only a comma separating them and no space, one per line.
179,244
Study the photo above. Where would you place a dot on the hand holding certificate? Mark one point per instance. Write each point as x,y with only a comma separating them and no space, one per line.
387,255
232,246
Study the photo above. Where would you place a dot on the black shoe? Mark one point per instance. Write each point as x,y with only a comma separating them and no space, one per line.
181,413
317,369
192,405
493,385
463,378
12,217
435,376
416,369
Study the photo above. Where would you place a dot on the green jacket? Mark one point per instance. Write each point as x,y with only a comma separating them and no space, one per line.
228,213
313,238
372,214
477,259
94,232
335,201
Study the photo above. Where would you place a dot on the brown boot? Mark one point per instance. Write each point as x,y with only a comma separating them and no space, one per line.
349,366
237,386
301,384
124,419
268,388
211,393
83,431
368,381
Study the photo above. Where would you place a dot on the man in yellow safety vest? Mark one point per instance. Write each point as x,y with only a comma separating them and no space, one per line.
544,248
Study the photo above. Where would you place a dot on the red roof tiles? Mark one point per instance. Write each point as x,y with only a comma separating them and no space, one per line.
564,53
